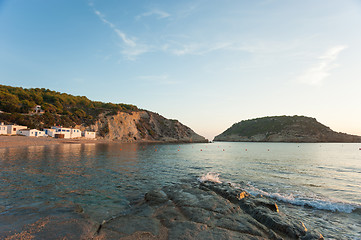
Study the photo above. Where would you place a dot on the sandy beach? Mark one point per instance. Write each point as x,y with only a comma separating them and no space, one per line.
22,141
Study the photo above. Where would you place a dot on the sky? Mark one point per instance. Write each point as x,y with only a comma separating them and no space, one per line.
207,63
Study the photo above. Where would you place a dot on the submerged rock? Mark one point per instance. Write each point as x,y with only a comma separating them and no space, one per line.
209,211
52,222
155,197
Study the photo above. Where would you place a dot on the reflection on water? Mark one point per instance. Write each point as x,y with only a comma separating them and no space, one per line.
102,180
38,178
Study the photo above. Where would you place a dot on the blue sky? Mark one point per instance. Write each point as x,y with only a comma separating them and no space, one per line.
208,64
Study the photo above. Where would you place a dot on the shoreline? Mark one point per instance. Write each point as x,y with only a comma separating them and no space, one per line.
204,210
229,141
23,141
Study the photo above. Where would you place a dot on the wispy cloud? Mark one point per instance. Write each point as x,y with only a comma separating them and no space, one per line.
154,12
163,79
130,47
321,70
180,48
197,48
185,49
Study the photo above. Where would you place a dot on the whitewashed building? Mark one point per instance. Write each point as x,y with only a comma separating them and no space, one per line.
13,129
88,134
49,132
75,133
60,132
31,133
3,129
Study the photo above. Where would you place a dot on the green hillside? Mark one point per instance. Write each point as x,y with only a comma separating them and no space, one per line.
271,125
17,106
283,129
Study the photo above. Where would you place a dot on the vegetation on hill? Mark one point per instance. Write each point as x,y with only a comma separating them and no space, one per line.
272,125
17,106
283,129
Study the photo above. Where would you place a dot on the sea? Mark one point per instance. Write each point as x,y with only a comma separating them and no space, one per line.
319,183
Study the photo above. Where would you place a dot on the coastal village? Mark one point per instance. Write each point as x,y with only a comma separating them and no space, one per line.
54,132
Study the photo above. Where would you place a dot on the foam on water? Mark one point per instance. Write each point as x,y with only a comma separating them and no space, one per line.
305,201
317,203
211,177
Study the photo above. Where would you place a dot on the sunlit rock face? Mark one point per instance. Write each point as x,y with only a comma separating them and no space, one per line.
144,126
283,129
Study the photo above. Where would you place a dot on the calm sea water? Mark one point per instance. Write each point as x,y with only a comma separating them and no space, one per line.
319,183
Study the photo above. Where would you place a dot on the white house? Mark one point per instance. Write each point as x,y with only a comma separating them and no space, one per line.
3,129
31,133
13,129
88,134
60,132
75,133
50,132
38,110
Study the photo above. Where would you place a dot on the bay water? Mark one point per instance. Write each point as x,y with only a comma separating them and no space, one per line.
319,183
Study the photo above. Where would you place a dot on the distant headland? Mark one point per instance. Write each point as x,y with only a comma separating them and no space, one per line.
40,108
283,129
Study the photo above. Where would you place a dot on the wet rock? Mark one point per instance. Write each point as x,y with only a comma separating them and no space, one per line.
156,197
263,210
191,230
242,195
170,214
127,225
78,208
209,211
267,203
65,226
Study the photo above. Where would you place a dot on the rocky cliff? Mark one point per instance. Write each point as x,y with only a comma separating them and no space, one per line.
283,129
143,125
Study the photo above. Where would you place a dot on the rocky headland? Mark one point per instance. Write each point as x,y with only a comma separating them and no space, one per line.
283,129
39,108
142,125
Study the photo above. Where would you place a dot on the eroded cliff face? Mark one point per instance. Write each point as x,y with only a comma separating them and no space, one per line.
140,126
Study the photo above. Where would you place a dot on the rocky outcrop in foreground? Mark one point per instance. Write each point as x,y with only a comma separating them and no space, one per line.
202,211
137,126
210,211
283,129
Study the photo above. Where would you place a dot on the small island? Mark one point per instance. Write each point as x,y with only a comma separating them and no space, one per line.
283,129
